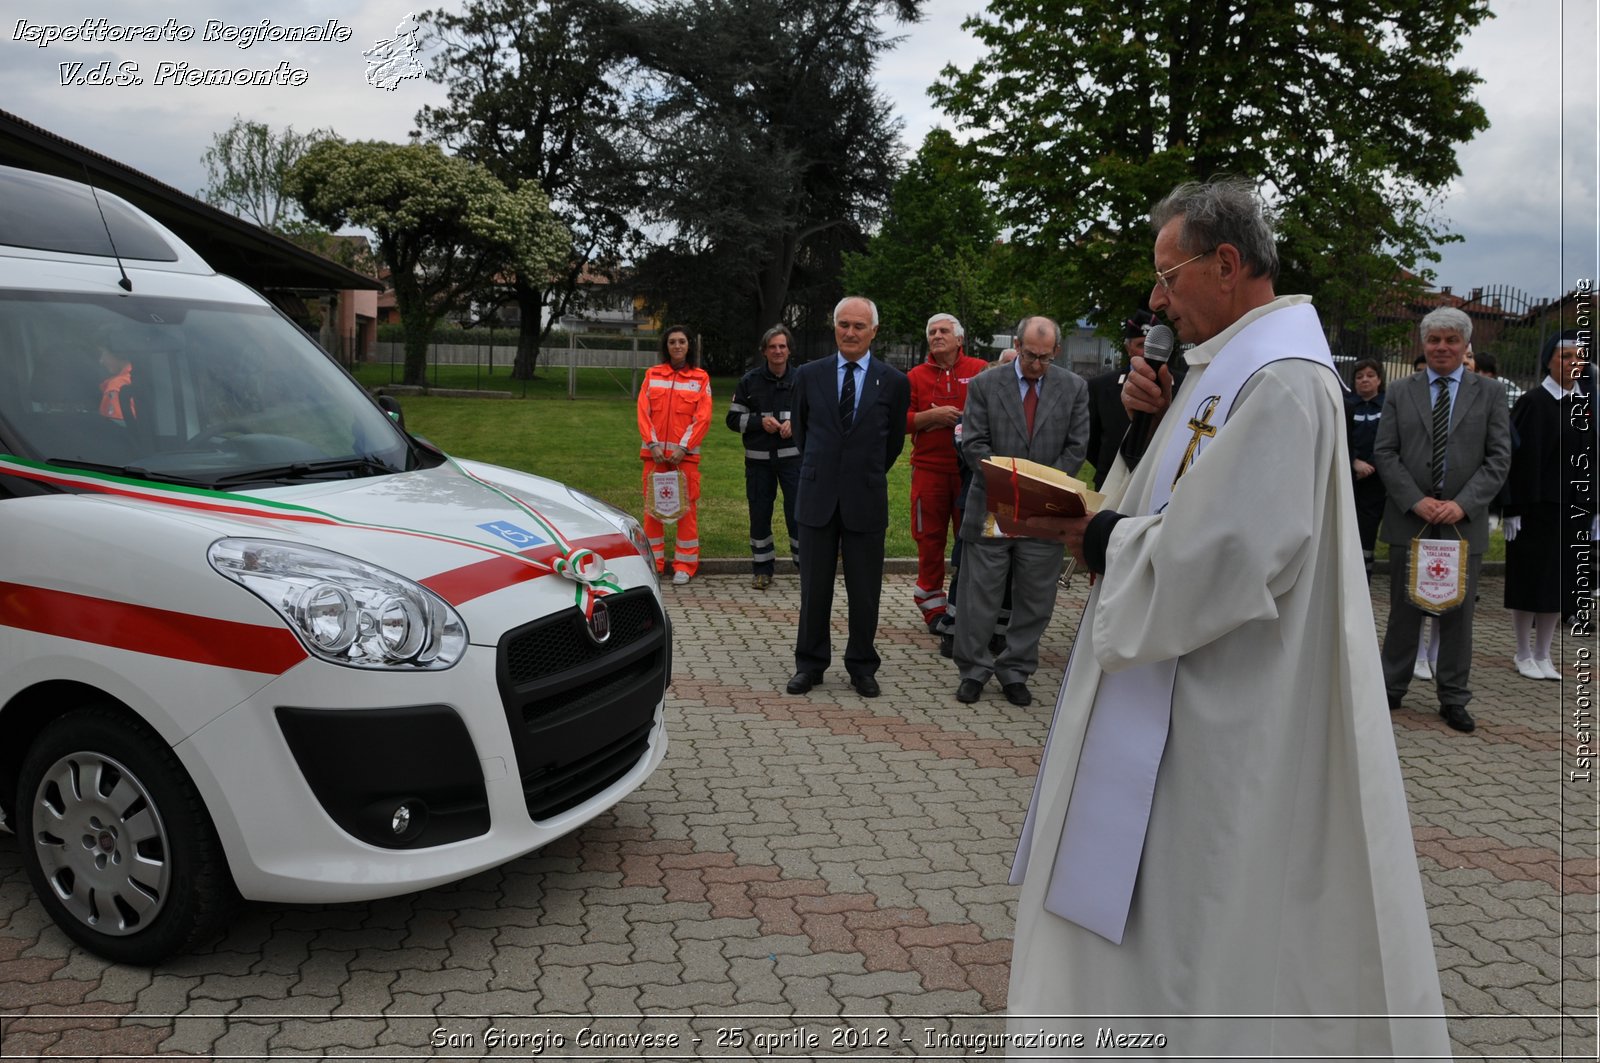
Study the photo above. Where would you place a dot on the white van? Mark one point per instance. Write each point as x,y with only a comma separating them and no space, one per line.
257,641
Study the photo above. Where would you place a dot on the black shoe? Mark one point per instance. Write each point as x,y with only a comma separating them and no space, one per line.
1458,717
1018,694
1394,702
803,681
865,685
997,645
947,646
968,691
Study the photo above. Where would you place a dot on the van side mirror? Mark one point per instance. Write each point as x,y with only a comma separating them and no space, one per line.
391,406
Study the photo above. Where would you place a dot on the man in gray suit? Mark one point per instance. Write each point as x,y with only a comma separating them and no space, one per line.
1028,409
1452,487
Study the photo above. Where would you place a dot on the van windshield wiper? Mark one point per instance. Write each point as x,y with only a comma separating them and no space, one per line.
366,464
132,472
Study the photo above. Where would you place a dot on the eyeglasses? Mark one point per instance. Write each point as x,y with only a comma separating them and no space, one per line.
1044,359
1164,276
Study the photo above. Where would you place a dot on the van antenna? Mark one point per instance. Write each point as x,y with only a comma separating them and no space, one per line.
125,284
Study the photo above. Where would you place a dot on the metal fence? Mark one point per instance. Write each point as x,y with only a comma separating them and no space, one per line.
1506,323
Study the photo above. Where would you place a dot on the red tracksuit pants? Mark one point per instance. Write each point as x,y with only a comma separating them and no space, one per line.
934,517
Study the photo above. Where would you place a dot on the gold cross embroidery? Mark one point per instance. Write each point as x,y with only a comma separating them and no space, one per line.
1201,427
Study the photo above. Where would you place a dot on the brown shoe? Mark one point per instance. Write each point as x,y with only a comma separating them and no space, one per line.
761,581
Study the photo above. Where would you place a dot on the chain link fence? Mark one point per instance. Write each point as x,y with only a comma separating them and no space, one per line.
594,362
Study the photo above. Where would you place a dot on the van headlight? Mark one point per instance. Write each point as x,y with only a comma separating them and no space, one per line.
346,611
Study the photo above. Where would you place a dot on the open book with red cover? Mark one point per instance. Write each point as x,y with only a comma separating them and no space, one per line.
1018,489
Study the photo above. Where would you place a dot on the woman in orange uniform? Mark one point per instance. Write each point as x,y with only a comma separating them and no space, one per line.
674,413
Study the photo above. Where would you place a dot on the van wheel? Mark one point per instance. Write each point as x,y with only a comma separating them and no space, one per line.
117,841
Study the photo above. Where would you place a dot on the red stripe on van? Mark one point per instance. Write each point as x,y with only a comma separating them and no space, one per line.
460,585
144,629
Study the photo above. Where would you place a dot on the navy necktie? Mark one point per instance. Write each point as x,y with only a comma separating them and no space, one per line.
847,395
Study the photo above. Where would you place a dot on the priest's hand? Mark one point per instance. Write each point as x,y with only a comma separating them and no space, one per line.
1068,530
1146,390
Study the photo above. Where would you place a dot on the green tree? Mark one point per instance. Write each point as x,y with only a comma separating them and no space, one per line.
773,149
445,226
1085,112
936,251
247,167
536,95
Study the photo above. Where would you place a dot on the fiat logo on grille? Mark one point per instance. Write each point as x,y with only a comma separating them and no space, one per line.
600,622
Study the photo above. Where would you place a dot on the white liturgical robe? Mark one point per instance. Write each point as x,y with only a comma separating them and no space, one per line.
1277,910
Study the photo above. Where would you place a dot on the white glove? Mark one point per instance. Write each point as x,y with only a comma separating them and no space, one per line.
1510,528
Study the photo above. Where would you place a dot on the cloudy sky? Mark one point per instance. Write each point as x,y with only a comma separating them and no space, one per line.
1526,202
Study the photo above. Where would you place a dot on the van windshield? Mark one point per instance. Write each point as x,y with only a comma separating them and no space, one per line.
212,394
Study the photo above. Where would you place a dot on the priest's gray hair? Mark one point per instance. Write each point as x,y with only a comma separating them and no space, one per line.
1447,319
961,333
1225,210
872,305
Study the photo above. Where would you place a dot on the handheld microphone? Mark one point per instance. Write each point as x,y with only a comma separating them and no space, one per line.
1158,343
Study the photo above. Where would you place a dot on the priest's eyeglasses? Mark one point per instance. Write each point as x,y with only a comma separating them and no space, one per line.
1164,276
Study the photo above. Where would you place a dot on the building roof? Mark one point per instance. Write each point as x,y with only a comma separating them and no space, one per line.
240,249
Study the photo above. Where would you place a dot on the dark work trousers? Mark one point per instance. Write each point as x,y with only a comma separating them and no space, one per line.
762,479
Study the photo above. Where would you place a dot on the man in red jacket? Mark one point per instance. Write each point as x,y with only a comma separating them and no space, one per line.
938,393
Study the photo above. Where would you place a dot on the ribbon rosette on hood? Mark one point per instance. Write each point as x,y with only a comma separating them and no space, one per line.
588,570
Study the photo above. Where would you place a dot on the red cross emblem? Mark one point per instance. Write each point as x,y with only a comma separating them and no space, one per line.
1438,570
666,492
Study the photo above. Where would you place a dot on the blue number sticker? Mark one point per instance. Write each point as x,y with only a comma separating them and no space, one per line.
512,534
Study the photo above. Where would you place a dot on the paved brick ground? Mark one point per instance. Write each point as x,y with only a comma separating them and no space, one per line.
801,859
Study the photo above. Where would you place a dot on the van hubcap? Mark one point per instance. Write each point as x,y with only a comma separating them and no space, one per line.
101,843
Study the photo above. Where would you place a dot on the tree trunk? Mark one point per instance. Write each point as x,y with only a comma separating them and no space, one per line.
530,305
418,333
772,283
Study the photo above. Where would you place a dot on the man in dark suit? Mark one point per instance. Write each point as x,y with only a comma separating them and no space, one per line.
850,425
1029,409
1108,418
1453,487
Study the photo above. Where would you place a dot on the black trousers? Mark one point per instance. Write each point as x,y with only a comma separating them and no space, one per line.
820,549
761,482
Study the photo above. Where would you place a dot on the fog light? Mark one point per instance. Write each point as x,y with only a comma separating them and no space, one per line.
400,822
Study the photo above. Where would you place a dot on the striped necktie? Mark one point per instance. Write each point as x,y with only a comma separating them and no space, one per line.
1441,433
847,395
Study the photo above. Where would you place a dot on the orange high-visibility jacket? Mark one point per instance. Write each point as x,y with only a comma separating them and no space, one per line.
674,407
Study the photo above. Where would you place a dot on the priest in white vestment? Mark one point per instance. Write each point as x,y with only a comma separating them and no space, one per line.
1218,860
